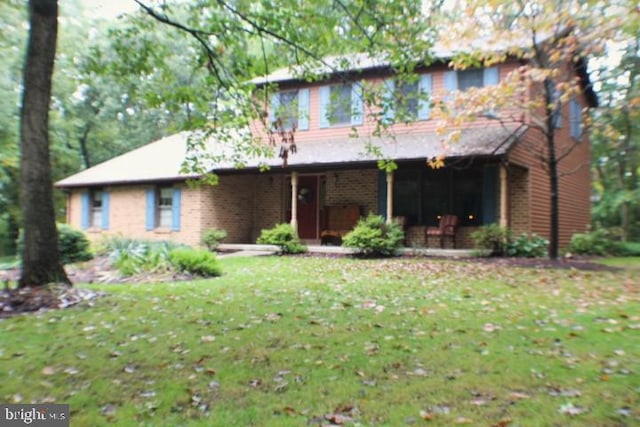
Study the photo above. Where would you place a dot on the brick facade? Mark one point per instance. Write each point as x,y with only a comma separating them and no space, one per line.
247,201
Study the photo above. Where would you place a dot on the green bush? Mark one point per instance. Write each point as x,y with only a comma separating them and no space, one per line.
72,244
594,243
491,238
627,249
602,242
195,261
212,238
372,236
283,236
528,246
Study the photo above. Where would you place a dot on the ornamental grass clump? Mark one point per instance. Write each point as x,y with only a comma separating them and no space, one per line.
373,237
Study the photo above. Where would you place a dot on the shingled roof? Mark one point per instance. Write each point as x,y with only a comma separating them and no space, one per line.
162,160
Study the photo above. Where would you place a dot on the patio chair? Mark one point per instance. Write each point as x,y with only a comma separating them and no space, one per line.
447,228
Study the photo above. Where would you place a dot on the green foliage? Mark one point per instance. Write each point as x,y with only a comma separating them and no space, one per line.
627,249
211,238
195,261
596,242
491,238
131,256
372,236
284,236
73,244
528,246
602,242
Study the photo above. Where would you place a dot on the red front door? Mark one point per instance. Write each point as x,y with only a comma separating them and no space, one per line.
308,206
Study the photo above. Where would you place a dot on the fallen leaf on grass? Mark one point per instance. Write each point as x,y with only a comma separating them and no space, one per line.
207,338
571,409
48,370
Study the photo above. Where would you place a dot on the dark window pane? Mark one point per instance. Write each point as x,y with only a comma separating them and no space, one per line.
470,78
340,110
288,110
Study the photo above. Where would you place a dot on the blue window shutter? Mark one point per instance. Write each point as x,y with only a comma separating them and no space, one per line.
450,81
303,109
357,103
491,76
84,210
273,108
105,210
575,118
489,195
325,101
389,101
175,210
382,193
424,110
151,209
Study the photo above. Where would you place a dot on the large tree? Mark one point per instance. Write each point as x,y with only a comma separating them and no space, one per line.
554,39
616,140
41,262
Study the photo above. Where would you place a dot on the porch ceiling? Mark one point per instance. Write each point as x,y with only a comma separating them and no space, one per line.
162,160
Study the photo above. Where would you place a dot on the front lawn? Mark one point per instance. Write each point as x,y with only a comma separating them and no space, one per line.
297,341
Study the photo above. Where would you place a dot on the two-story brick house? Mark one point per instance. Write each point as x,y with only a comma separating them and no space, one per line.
490,174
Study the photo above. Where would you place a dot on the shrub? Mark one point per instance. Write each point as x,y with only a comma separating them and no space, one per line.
212,238
283,236
199,262
72,244
594,243
372,236
528,246
491,238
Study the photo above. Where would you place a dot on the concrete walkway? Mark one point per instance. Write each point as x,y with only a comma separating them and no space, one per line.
240,250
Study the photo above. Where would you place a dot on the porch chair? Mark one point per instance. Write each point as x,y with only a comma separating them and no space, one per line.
447,228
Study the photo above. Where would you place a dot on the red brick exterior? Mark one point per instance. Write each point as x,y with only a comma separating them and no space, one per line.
245,202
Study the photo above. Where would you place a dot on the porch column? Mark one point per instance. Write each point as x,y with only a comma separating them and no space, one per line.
389,197
294,201
504,197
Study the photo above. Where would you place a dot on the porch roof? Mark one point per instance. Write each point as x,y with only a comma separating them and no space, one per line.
162,160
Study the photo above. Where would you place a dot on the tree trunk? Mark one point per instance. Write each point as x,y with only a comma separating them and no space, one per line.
41,263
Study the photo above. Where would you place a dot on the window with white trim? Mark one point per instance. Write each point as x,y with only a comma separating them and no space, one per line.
472,77
290,109
341,104
165,207
408,99
96,208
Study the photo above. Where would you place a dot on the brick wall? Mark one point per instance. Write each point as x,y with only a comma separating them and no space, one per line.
127,213
357,187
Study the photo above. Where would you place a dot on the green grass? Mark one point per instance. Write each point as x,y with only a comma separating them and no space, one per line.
7,262
296,341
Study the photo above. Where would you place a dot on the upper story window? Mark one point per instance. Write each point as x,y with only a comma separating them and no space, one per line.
474,77
575,118
409,100
163,208
341,104
290,109
94,209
